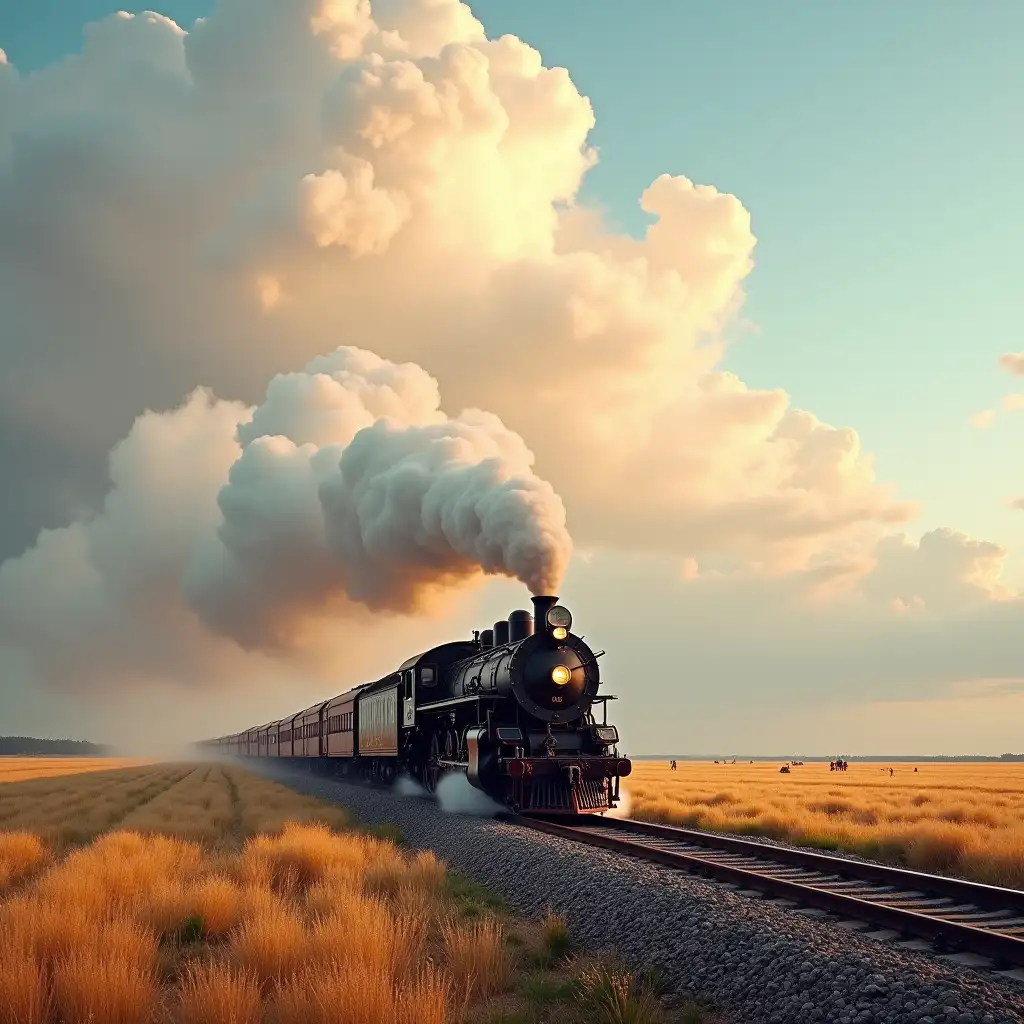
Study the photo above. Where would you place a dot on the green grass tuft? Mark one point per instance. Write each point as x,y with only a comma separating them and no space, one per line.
392,833
557,941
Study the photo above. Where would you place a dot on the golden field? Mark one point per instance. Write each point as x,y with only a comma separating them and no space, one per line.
20,769
185,894
965,820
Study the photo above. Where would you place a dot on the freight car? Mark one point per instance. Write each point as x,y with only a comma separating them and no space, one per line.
512,709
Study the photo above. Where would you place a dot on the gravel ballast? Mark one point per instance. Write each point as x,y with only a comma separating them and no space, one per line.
760,962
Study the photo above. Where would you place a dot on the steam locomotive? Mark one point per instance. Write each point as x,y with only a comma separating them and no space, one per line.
512,709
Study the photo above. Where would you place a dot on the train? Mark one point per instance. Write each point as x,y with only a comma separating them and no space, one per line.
513,709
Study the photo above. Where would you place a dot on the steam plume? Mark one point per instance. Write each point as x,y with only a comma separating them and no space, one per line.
347,489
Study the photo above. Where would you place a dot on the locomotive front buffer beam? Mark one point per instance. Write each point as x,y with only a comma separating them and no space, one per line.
563,785
551,783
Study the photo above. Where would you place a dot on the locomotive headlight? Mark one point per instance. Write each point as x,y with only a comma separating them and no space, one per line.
559,632
559,618
560,675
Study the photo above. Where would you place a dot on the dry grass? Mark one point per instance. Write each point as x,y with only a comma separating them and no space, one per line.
224,898
21,853
217,901
206,803
210,903
217,993
611,995
142,927
337,995
476,955
68,809
266,806
198,806
21,769
24,994
958,819
587,988
109,988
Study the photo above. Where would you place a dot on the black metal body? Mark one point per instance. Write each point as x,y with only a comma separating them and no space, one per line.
512,710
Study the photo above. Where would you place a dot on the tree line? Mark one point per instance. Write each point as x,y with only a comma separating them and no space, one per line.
29,745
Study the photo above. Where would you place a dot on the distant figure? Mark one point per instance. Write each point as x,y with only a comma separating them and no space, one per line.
831,766
890,773
672,765
784,770
915,769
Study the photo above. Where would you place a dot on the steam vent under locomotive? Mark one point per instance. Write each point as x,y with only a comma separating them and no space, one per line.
512,709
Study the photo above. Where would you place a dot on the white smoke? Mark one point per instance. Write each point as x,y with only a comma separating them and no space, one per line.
347,490
441,502
456,796
406,785
367,494
622,809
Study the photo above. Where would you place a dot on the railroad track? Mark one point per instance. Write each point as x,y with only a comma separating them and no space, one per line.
981,924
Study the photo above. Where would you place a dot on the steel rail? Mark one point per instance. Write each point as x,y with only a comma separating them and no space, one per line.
955,916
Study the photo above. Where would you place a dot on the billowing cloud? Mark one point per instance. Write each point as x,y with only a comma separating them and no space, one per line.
1014,362
346,493
219,205
98,603
716,662
945,572
354,487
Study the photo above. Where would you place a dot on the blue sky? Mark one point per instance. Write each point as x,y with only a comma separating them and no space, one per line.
878,148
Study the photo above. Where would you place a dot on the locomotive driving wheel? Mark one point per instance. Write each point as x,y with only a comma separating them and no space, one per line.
432,770
446,748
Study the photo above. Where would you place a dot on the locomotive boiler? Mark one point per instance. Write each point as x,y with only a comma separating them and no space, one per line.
513,710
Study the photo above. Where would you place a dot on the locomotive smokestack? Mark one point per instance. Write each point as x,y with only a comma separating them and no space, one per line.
501,632
487,638
541,607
